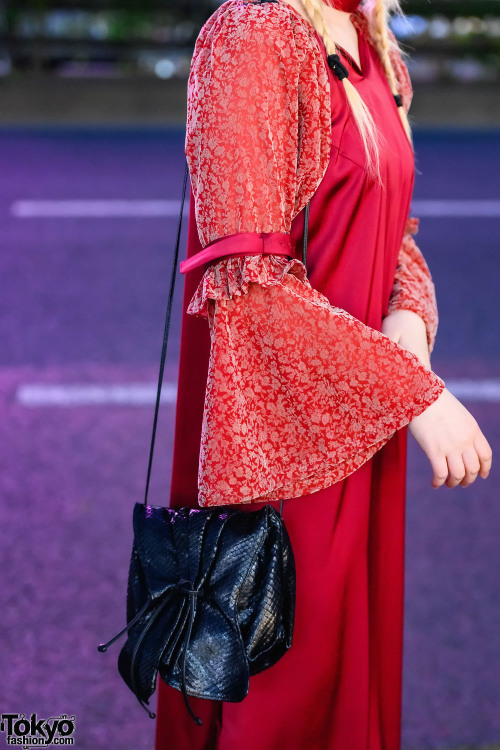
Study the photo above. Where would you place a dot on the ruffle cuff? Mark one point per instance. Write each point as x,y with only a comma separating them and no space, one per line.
230,277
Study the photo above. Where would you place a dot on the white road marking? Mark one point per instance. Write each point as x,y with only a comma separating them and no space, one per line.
144,394
475,389
95,209
101,209
458,208
132,394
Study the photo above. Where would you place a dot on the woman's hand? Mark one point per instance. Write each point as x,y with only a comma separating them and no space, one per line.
446,431
453,442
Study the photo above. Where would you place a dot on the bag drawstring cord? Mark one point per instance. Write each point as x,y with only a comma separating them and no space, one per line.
180,587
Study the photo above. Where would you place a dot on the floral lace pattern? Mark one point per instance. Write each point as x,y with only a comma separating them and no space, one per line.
231,277
299,393
413,285
255,64
258,119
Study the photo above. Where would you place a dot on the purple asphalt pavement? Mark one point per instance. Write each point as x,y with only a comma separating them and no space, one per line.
82,302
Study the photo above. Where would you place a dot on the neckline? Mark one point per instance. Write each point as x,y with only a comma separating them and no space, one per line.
361,68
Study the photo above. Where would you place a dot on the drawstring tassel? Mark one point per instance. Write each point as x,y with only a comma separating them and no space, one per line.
150,713
193,592
104,646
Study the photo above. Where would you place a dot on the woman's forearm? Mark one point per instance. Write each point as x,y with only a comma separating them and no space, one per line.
407,329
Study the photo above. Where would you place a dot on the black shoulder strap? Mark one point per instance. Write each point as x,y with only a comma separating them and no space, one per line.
167,327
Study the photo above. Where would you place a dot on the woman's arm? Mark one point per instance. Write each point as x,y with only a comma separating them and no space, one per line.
258,133
299,392
413,292
408,329
446,431
412,316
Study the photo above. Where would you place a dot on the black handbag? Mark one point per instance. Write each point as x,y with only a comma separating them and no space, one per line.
210,592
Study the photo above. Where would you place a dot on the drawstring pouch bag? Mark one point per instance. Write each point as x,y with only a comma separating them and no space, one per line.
211,591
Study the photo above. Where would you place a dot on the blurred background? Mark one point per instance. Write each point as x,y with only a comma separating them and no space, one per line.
92,113
116,59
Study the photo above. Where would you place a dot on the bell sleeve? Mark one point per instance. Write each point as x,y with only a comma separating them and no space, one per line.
413,285
299,392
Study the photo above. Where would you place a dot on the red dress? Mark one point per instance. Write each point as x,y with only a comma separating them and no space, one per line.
299,395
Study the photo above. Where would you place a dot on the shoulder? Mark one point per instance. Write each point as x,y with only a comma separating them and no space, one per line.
240,26
272,14
401,70
361,19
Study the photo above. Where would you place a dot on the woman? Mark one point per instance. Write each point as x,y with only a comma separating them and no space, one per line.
307,383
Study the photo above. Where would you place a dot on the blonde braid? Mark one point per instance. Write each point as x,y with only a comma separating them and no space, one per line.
379,31
368,130
386,45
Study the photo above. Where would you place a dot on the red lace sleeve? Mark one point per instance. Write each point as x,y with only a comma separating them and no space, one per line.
413,285
258,132
299,392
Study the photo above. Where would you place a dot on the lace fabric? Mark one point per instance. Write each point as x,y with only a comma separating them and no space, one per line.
299,393
258,119
413,287
231,277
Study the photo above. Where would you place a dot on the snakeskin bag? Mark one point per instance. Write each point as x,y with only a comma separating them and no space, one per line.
211,591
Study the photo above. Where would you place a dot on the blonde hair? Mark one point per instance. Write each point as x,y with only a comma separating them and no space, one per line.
378,12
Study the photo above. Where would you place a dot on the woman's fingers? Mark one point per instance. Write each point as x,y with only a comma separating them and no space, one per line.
484,453
440,469
456,469
453,442
472,466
